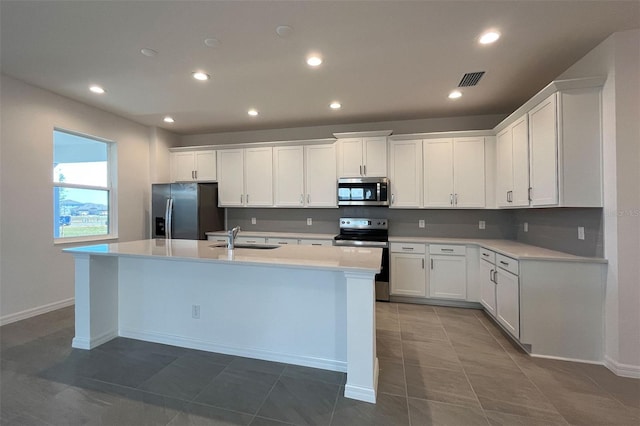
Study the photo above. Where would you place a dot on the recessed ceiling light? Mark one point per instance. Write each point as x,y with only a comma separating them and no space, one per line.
168,119
211,42
252,112
148,52
202,76
284,31
489,37
314,61
455,94
96,89
335,105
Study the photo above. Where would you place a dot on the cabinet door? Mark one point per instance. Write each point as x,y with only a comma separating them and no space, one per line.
258,173
320,174
487,287
408,276
544,153
504,173
438,172
520,164
405,162
374,153
182,166
508,301
468,172
350,157
448,277
288,172
205,166
231,177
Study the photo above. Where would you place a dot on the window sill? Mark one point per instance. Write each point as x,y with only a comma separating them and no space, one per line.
80,240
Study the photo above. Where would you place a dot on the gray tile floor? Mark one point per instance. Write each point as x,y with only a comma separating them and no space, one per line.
441,366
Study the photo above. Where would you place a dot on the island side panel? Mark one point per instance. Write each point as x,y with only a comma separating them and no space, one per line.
296,316
362,363
96,300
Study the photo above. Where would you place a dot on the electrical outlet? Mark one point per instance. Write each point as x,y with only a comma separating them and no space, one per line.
482,224
421,223
195,311
253,220
581,232
526,227
309,221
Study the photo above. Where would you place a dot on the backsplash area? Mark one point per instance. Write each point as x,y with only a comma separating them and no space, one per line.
557,229
553,228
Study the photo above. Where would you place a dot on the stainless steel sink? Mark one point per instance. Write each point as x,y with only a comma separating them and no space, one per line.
248,246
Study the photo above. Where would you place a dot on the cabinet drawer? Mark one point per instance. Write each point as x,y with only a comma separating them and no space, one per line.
407,248
217,239
507,263
487,255
282,241
316,242
250,240
447,249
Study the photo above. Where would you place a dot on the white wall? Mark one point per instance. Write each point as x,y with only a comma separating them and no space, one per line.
35,275
477,122
618,58
160,141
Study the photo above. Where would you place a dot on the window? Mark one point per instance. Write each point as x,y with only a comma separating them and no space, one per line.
83,195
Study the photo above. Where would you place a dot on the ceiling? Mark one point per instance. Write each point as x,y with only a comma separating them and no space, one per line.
383,60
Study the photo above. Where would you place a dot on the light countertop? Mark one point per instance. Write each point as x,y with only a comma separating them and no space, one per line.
262,234
356,259
513,249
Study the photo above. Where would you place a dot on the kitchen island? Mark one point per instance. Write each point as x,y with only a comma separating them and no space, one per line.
305,305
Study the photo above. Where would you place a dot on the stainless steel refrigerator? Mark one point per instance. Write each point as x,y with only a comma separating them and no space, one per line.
185,210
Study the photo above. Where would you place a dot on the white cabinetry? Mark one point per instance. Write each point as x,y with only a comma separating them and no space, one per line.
305,176
282,241
408,274
313,242
250,240
544,155
362,154
487,281
447,272
513,165
246,177
454,172
190,166
507,294
405,174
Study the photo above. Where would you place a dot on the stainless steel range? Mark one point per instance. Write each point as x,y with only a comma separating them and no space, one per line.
363,232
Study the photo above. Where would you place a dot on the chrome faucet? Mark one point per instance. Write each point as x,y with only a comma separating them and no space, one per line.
232,234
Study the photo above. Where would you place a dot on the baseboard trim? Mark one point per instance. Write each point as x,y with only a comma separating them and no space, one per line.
562,358
450,303
39,310
84,343
167,339
622,370
360,393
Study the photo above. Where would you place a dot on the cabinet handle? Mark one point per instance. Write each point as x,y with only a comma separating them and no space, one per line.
495,276
447,250
241,198
301,198
195,173
455,198
509,196
247,198
431,263
485,254
308,198
407,248
491,275
360,169
504,263
192,177
451,199
529,194
422,263
365,169
393,197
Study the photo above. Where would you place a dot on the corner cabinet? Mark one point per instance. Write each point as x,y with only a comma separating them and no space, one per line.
246,177
362,154
193,166
405,173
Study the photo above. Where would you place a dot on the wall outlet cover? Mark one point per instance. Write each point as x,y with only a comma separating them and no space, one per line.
581,232
421,223
526,227
482,224
253,220
309,221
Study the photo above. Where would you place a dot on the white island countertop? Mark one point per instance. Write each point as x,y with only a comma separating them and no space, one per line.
295,256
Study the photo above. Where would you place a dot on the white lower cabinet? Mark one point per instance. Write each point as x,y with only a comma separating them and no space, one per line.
308,242
488,286
507,298
447,272
282,241
250,240
408,274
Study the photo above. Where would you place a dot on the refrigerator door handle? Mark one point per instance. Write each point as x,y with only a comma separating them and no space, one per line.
169,218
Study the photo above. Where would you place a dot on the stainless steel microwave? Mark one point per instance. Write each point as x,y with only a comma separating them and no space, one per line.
363,191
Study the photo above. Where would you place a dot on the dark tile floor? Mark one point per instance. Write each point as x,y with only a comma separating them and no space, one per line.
441,366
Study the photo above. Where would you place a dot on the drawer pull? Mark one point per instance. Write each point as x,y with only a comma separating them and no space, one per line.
504,263
407,248
485,254
447,250
282,242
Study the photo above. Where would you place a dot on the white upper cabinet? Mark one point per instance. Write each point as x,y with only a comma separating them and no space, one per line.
193,166
504,167
520,163
405,173
544,153
454,172
362,154
305,176
245,177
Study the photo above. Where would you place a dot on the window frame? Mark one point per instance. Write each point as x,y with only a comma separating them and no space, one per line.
111,189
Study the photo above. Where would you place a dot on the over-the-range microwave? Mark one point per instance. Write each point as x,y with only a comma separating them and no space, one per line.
363,191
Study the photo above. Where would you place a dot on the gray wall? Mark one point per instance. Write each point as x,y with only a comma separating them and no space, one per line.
557,229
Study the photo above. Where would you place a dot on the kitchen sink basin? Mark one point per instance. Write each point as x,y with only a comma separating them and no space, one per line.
249,246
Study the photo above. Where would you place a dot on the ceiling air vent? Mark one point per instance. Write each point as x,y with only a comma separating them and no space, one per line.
470,79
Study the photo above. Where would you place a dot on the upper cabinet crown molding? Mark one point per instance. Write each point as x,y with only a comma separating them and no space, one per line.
438,135
370,134
254,144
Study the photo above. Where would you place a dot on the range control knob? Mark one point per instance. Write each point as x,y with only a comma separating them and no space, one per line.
342,222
